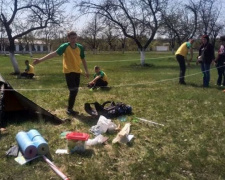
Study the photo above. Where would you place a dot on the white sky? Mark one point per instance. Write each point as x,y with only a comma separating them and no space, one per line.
79,22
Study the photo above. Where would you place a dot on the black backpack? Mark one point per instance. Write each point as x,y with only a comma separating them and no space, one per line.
109,109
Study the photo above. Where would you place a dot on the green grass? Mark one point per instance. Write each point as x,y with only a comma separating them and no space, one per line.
190,145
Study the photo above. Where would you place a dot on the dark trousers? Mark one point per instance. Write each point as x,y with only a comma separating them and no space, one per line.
221,75
24,74
73,82
182,65
206,73
99,83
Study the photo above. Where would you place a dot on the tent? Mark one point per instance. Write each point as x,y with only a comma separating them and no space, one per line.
14,103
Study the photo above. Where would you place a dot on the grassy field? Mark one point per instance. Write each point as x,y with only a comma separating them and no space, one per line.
190,145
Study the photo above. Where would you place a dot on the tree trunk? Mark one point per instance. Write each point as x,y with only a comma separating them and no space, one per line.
123,47
14,63
142,53
30,50
95,51
123,50
173,51
12,56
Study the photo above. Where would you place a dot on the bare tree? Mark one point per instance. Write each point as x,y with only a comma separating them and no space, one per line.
193,7
121,39
22,17
92,33
109,34
210,22
135,18
209,12
215,30
179,23
50,34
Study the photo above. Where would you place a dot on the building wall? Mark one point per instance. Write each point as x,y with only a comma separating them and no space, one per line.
162,48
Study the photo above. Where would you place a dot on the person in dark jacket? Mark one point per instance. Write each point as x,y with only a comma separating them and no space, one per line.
220,60
206,56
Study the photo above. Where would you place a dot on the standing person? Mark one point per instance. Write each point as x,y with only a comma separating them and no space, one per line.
181,56
206,56
29,71
100,79
220,63
73,55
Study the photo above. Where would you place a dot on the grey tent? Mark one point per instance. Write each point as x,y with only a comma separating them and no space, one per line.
12,102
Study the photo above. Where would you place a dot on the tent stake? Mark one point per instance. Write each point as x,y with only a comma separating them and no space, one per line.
142,119
54,168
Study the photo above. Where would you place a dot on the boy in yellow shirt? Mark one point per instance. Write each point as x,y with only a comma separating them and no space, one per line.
29,71
181,56
100,79
73,56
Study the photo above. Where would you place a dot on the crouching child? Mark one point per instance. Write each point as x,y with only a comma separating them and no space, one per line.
29,71
100,79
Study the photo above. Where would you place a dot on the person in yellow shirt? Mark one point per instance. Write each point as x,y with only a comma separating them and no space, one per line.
73,55
100,79
181,56
29,71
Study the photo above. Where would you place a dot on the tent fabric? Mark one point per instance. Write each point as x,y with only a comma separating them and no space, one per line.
12,101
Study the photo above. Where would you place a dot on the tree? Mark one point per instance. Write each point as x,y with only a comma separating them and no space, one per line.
135,18
180,22
92,32
122,40
22,17
216,29
210,12
110,34
50,34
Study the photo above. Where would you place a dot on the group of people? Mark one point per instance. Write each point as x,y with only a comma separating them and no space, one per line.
73,55
206,57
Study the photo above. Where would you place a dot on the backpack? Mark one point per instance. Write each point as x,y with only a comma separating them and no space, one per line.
109,109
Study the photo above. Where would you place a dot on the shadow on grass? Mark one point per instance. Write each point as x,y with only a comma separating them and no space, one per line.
136,66
90,120
88,153
194,85
2,134
107,88
201,86
20,117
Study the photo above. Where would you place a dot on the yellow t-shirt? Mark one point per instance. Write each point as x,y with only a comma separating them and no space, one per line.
31,69
103,75
72,57
183,49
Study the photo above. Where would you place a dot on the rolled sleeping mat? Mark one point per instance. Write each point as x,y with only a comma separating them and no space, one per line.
39,142
41,145
27,147
33,133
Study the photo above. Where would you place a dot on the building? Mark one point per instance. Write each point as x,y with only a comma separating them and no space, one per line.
34,46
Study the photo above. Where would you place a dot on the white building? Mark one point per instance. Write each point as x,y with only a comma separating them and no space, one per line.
162,48
36,46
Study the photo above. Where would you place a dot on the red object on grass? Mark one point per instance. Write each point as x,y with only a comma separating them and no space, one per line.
77,136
